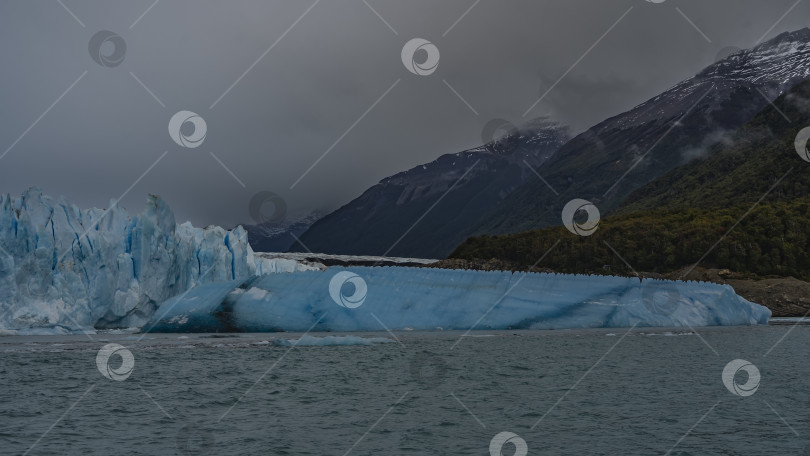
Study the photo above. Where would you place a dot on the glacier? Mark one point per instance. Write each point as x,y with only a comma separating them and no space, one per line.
63,269
67,270
405,298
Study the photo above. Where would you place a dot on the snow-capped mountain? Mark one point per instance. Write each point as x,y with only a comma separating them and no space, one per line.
445,197
771,67
612,159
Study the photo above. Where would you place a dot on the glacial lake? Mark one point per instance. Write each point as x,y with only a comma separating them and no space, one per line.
643,391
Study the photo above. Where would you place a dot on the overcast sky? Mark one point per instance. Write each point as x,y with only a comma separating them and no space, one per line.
301,78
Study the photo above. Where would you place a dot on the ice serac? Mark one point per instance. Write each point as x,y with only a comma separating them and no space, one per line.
404,298
64,269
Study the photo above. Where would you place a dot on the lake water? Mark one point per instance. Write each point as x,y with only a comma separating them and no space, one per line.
577,392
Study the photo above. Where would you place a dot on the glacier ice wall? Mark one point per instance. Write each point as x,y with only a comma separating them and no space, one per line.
65,269
401,298
62,268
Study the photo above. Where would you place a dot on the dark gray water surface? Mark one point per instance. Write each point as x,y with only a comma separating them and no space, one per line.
578,392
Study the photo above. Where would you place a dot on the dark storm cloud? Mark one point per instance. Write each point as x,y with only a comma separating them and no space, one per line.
317,81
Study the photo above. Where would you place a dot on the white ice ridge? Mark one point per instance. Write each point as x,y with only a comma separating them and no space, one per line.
402,298
65,269
328,341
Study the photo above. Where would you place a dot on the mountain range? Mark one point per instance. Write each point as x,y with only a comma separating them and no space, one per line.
745,208
427,211
611,160
523,181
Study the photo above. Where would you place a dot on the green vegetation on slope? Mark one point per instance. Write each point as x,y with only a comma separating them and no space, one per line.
696,213
773,239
